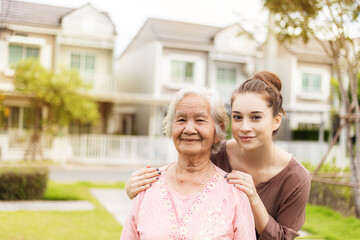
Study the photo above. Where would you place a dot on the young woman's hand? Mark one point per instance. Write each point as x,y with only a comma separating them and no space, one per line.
245,183
141,180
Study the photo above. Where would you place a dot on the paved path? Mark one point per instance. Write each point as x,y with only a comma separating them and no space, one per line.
114,201
45,205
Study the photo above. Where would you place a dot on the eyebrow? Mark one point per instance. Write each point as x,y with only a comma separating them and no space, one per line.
197,114
253,112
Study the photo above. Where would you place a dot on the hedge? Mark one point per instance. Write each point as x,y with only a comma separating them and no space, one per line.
308,134
23,183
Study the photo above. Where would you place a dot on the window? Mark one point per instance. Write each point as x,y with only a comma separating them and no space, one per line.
311,83
21,117
79,128
85,64
182,72
226,75
17,52
226,82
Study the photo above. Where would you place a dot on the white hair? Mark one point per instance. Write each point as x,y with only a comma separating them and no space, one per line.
217,112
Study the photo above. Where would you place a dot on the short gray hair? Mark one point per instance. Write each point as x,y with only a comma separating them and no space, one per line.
217,112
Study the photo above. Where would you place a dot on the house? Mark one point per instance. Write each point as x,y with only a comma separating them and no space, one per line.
305,71
81,39
166,56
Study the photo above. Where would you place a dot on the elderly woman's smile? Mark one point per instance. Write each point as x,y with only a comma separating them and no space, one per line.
193,130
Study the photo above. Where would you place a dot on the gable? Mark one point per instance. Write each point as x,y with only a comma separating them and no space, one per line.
233,39
87,20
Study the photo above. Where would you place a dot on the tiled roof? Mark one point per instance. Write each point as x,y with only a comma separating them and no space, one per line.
166,30
32,13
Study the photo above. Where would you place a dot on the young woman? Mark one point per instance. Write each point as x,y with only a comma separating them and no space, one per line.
276,184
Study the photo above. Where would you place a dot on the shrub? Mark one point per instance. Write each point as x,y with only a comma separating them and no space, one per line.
308,134
337,197
23,183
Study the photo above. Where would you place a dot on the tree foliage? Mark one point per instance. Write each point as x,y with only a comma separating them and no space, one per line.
333,24
60,96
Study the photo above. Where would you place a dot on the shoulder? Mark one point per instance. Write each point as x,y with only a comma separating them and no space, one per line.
232,192
296,178
298,171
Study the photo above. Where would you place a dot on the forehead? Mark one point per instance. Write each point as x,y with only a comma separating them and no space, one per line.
250,102
192,103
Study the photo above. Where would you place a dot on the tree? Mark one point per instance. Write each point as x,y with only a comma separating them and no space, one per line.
56,99
4,112
331,23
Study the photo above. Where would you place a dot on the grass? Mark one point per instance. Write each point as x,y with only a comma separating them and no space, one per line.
96,224
321,222
324,223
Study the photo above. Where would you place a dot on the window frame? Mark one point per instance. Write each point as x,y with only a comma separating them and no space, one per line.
324,90
24,52
199,69
84,73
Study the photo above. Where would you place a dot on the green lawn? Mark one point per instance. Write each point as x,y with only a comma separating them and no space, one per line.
325,223
55,225
98,224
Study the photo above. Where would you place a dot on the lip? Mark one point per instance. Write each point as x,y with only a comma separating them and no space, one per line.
190,140
246,138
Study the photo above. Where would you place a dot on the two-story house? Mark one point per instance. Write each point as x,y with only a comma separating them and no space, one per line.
166,56
81,39
305,71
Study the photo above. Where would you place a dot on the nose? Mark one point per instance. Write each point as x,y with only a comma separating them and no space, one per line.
190,128
245,125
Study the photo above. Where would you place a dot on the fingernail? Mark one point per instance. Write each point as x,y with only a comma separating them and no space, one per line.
157,177
225,176
157,169
159,172
227,180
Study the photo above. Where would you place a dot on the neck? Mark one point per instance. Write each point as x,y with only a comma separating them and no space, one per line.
191,177
190,164
263,156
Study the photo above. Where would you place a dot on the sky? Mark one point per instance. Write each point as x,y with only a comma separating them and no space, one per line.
129,15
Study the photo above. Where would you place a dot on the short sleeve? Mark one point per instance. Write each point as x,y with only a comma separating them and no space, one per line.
129,231
244,220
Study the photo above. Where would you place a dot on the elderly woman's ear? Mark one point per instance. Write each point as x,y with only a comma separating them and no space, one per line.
216,139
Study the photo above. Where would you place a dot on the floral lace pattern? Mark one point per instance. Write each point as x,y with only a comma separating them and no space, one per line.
220,211
180,227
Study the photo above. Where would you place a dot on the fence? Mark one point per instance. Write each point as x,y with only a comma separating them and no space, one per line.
135,150
160,150
127,150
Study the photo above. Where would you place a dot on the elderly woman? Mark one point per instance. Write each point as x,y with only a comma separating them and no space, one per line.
192,200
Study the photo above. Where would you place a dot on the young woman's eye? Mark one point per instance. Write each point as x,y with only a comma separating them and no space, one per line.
237,117
256,117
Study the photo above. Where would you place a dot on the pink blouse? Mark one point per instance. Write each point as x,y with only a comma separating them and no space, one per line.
220,211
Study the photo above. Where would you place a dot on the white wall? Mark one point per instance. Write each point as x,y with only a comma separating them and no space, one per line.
136,71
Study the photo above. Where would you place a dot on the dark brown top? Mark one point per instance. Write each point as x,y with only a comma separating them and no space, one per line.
285,196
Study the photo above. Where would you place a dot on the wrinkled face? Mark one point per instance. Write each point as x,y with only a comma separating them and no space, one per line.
252,121
193,130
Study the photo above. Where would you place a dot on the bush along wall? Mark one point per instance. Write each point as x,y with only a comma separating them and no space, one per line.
23,183
308,134
337,197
